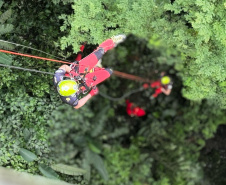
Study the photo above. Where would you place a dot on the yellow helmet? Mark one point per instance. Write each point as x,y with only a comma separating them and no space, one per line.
165,80
67,87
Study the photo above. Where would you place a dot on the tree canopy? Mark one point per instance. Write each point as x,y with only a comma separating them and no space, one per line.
100,143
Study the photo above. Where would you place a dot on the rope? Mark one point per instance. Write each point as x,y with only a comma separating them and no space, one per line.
100,93
42,58
116,73
131,77
25,69
122,97
32,49
32,56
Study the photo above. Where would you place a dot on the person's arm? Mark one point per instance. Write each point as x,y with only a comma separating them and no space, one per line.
166,91
65,68
60,73
83,100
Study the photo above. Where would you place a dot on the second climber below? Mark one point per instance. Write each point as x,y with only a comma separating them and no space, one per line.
83,76
163,85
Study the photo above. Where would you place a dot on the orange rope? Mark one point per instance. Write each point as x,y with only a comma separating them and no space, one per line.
116,73
32,56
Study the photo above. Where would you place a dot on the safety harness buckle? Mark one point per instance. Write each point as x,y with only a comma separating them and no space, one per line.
79,77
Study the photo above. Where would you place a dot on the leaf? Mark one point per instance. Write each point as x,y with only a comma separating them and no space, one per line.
27,134
5,59
101,121
94,148
80,141
6,28
6,15
169,112
1,3
87,166
27,155
47,171
160,2
222,84
69,170
97,162
118,132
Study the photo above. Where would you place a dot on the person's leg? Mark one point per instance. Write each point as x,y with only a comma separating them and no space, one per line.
97,76
157,92
87,63
91,60
107,45
79,55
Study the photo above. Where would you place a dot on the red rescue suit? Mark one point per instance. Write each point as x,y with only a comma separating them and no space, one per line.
134,110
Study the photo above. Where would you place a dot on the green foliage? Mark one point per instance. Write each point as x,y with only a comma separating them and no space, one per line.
5,27
5,16
69,170
212,158
5,59
95,160
192,36
164,147
83,131
96,21
63,1
27,155
161,148
41,30
124,164
202,43
23,120
120,162
176,131
47,171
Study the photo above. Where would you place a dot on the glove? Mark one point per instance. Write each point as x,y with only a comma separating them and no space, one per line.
94,91
146,85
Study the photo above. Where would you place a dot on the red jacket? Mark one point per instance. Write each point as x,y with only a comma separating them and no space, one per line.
134,110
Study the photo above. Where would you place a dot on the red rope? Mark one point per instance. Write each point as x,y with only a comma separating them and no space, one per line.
131,77
116,73
32,56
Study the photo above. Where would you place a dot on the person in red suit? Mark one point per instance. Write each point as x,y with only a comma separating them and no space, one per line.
82,76
133,110
163,85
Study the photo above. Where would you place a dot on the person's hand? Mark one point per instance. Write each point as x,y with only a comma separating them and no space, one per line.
162,73
145,86
94,91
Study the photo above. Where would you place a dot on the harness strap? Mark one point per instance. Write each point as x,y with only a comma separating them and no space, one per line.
77,76
82,81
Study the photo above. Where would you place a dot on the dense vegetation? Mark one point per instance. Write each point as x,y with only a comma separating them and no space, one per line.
40,135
